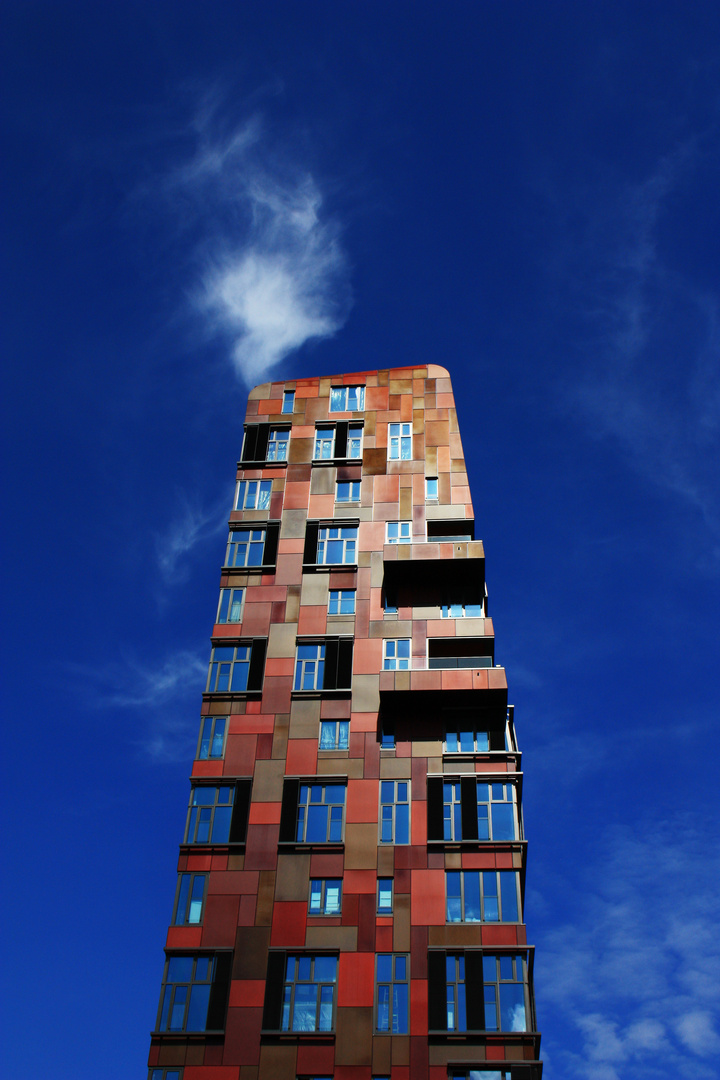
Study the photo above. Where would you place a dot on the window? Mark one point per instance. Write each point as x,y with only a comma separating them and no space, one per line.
210,814
347,491
212,737
391,989
218,813
389,604
190,899
309,667
337,545
385,896
320,814
462,737
309,993
325,896
194,993
399,442
431,488
455,993
334,734
483,1074
504,993
323,665
354,441
463,611
482,896
230,605
396,654
324,443
341,602
165,1074
394,811
237,668
471,810
288,401
347,398
245,547
277,447
387,734
253,495
399,532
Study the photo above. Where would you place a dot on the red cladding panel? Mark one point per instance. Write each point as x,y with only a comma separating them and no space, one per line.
184,937
359,881
246,993
419,823
383,938
356,979
427,898
241,1043
326,865
261,847
240,755
301,757
499,935
288,925
220,920
246,914
315,1060
362,800
418,1007
265,813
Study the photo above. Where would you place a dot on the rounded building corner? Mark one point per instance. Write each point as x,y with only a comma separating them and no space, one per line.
437,371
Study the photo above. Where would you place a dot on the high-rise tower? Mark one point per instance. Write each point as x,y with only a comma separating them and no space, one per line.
351,877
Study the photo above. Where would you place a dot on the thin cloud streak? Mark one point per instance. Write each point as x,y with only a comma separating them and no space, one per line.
273,273
194,525
636,969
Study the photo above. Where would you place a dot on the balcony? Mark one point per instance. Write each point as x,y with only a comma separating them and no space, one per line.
450,563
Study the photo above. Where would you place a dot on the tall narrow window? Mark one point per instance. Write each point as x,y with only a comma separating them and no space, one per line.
309,667
431,488
391,993
354,441
399,442
230,606
394,811
190,899
288,401
504,993
324,443
212,737
455,992
385,896
308,1002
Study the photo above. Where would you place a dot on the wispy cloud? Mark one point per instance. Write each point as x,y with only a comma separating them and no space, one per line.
635,970
649,335
157,692
193,525
273,272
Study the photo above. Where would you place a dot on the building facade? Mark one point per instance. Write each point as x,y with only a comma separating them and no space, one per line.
351,878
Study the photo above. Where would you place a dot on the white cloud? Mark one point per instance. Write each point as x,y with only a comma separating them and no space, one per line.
193,525
635,970
274,274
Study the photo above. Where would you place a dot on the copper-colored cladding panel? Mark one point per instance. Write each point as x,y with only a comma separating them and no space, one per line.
256,902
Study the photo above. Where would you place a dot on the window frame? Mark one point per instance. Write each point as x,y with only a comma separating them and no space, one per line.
387,910
302,665
278,448
189,898
353,492
429,496
239,668
302,817
289,1000
450,611
359,389
392,660
341,739
349,544
341,596
211,723
398,532
288,398
232,603
245,529
250,493
399,439
465,816
217,983
391,824
503,887
196,821
322,912
389,1024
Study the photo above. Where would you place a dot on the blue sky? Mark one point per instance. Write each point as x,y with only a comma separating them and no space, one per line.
195,200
